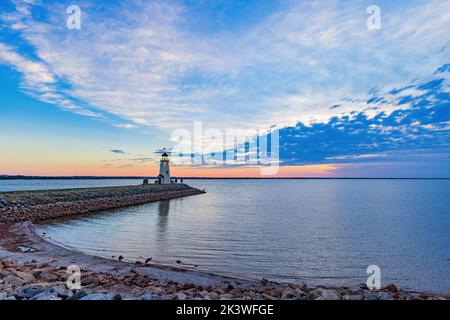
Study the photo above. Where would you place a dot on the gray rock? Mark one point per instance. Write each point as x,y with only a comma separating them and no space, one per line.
97,296
292,293
30,291
323,294
28,277
181,296
4,273
385,296
63,293
352,297
13,281
370,296
5,296
288,293
149,296
377,296
48,294
300,294
27,249
78,295
391,288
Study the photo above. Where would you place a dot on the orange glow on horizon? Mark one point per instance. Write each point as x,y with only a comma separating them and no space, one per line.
321,170
66,169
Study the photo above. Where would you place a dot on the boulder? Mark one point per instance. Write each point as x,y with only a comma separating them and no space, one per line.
78,295
288,293
391,288
90,280
48,294
377,296
13,281
5,296
149,296
158,291
4,273
63,292
98,296
181,296
26,249
29,291
323,294
117,296
352,297
140,281
28,277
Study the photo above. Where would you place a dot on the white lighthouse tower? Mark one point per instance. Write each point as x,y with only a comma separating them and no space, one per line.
164,170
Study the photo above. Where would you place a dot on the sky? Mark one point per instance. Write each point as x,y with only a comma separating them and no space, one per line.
347,95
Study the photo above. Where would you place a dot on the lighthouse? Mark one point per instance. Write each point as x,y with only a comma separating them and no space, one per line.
164,170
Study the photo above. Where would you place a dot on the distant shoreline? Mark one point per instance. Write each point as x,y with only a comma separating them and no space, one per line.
18,177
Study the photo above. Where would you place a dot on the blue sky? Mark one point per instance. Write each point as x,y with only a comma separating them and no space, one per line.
371,102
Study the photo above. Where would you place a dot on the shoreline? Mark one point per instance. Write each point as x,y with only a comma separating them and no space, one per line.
33,268
6,177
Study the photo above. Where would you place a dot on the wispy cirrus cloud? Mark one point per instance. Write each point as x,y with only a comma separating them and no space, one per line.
151,67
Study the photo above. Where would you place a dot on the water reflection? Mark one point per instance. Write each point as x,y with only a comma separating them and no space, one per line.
163,220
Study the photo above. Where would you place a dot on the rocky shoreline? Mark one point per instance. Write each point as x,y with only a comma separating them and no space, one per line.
20,206
34,269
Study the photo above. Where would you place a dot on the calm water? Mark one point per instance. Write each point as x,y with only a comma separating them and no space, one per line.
313,231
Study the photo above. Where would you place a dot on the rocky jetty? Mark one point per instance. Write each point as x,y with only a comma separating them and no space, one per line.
19,206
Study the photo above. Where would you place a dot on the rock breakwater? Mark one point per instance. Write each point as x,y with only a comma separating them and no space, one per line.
19,206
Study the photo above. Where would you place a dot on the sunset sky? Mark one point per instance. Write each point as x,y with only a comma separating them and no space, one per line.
347,100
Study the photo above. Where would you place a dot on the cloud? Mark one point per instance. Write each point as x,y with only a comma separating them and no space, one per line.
35,73
151,67
418,125
163,150
117,151
413,126
142,159
125,125
357,157
39,82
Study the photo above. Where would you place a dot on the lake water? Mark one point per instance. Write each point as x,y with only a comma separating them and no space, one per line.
313,231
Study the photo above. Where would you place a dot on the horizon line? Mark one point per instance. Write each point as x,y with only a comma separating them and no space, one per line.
25,177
